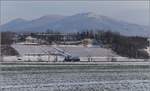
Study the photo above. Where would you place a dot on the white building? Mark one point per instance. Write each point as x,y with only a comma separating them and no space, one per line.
30,39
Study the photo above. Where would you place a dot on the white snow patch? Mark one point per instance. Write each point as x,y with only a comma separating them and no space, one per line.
91,14
147,50
27,43
89,45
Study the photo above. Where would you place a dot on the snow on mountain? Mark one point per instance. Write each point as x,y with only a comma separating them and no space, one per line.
80,22
89,21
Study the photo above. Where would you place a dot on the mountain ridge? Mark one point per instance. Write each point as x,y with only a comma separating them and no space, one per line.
77,22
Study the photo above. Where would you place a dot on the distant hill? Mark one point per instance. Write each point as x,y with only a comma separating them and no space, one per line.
12,25
77,22
35,25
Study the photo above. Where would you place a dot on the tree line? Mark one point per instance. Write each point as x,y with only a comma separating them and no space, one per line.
127,46
7,38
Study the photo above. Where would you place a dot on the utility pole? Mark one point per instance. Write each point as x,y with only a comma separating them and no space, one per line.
49,56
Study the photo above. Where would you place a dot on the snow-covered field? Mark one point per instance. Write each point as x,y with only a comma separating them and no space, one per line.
32,52
42,53
31,58
75,50
83,78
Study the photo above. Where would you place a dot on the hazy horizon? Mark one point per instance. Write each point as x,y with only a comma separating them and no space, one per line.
136,12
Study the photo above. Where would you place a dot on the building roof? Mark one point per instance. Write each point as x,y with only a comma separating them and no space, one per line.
30,38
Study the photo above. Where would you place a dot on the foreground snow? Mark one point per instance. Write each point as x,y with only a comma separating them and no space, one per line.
77,79
134,85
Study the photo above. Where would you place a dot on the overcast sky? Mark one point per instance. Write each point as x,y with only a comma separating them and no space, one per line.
130,11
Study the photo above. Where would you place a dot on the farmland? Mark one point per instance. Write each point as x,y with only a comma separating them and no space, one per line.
75,77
